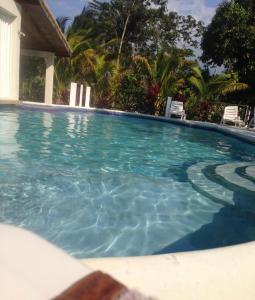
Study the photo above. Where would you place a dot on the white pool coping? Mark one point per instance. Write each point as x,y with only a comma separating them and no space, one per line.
243,134
33,269
218,274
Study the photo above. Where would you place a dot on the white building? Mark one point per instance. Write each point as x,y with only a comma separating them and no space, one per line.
27,27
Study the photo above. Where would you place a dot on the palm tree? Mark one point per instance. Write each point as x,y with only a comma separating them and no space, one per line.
80,65
103,81
216,86
62,23
83,58
166,74
227,83
90,62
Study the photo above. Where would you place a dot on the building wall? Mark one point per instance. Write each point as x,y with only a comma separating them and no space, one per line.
10,12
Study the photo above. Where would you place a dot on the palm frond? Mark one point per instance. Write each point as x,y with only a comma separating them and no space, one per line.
62,23
80,47
199,86
234,87
142,65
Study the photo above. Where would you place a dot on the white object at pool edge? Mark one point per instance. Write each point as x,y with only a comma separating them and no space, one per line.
31,268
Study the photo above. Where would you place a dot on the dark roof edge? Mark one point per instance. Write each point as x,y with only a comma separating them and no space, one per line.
55,25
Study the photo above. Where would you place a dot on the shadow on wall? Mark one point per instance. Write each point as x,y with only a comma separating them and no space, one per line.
233,224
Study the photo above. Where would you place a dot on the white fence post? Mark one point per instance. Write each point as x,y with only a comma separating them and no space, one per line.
87,100
73,94
81,95
168,105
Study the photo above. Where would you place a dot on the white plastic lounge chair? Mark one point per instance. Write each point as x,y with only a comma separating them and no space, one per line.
231,115
175,108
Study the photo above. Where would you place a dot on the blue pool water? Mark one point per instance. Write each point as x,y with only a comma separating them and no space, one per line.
100,185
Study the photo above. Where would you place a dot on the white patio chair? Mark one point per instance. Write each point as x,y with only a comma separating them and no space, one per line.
231,115
175,108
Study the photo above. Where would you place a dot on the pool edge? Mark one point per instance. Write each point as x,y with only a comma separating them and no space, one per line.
240,133
221,273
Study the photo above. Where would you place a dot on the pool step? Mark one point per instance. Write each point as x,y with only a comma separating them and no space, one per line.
210,188
228,173
250,171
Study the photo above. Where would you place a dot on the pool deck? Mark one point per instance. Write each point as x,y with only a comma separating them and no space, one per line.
33,269
225,273
247,135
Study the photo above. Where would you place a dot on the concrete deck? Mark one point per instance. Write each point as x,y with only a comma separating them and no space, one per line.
33,269
8,102
224,274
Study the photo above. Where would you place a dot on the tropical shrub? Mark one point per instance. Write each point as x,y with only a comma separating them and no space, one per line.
131,96
204,111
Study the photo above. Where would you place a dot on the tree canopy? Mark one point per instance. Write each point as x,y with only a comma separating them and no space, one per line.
147,26
230,39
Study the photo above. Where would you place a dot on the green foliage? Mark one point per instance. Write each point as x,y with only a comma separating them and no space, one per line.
80,67
101,39
164,76
146,24
32,78
230,39
214,87
130,95
204,111
102,83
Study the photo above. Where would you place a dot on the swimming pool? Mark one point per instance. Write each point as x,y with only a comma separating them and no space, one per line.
101,185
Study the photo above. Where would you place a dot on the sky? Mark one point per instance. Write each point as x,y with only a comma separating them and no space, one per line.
200,9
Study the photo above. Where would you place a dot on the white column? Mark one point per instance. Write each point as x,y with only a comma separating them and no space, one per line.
10,22
81,94
168,105
87,100
49,60
5,56
73,89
